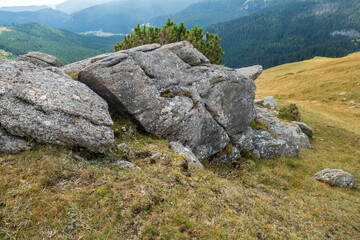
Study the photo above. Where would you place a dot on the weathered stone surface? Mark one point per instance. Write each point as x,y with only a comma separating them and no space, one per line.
200,106
285,139
40,59
290,133
187,53
78,66
336,178
180,149
267,102
126,164
261,143
12,144
48,106
305,128
252,72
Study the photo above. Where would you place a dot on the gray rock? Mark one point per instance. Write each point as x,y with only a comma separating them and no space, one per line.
180,149
11,144
187,53
261,143
336,178
78,66
290,133
160,88
267,102
285,139
48,106
252,72
126,164
305,128
40,59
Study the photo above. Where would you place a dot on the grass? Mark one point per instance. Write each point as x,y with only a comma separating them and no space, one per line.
52,192
325,85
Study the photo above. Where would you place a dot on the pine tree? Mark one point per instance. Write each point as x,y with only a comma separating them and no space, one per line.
209,44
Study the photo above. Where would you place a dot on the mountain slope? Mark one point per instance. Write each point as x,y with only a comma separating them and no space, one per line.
116,17
298,31
67,46
23,8
328,86
72,6
46,16
212,11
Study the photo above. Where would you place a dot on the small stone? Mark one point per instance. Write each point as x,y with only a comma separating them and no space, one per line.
342,93
180,149
336,178
126,164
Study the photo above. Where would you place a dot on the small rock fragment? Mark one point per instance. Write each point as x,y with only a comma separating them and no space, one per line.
336,178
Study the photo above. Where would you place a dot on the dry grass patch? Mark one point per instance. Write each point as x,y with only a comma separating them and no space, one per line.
48,193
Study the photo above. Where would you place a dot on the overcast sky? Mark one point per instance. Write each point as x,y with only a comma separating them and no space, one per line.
7,3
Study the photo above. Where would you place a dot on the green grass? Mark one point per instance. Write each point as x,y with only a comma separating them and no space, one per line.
48,193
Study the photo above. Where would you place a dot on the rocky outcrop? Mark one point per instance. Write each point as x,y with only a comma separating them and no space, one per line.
174,91
48,106
267,102
252,72
279,139
40,59
180,149
336,178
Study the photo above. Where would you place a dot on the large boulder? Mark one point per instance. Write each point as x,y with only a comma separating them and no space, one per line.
40,59
174,91
48,106
336,178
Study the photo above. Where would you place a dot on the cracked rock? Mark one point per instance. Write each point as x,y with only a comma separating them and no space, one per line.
174,91
49,107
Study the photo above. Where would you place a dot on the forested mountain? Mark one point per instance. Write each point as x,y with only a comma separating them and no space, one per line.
297,31
65,45
213,11
116,17
46,16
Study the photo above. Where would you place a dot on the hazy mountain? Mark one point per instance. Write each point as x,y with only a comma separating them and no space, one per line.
115,17
23,8
298,31
72,6
65,45
46,16
212,11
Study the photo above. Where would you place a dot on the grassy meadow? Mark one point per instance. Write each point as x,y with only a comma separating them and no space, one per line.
52,192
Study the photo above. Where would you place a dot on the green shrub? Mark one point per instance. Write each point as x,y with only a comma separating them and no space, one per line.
290,113
170,33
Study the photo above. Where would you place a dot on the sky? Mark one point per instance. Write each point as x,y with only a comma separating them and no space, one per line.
7,3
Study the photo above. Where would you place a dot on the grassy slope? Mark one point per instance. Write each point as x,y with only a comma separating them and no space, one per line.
45,193
316,84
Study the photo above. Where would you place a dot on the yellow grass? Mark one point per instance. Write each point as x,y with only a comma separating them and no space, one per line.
4,29
325,85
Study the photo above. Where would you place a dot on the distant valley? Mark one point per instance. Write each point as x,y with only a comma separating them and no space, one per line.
262,32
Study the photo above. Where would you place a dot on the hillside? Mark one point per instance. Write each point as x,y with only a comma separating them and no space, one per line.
207,12
54,192
330,87
67,46
299,31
